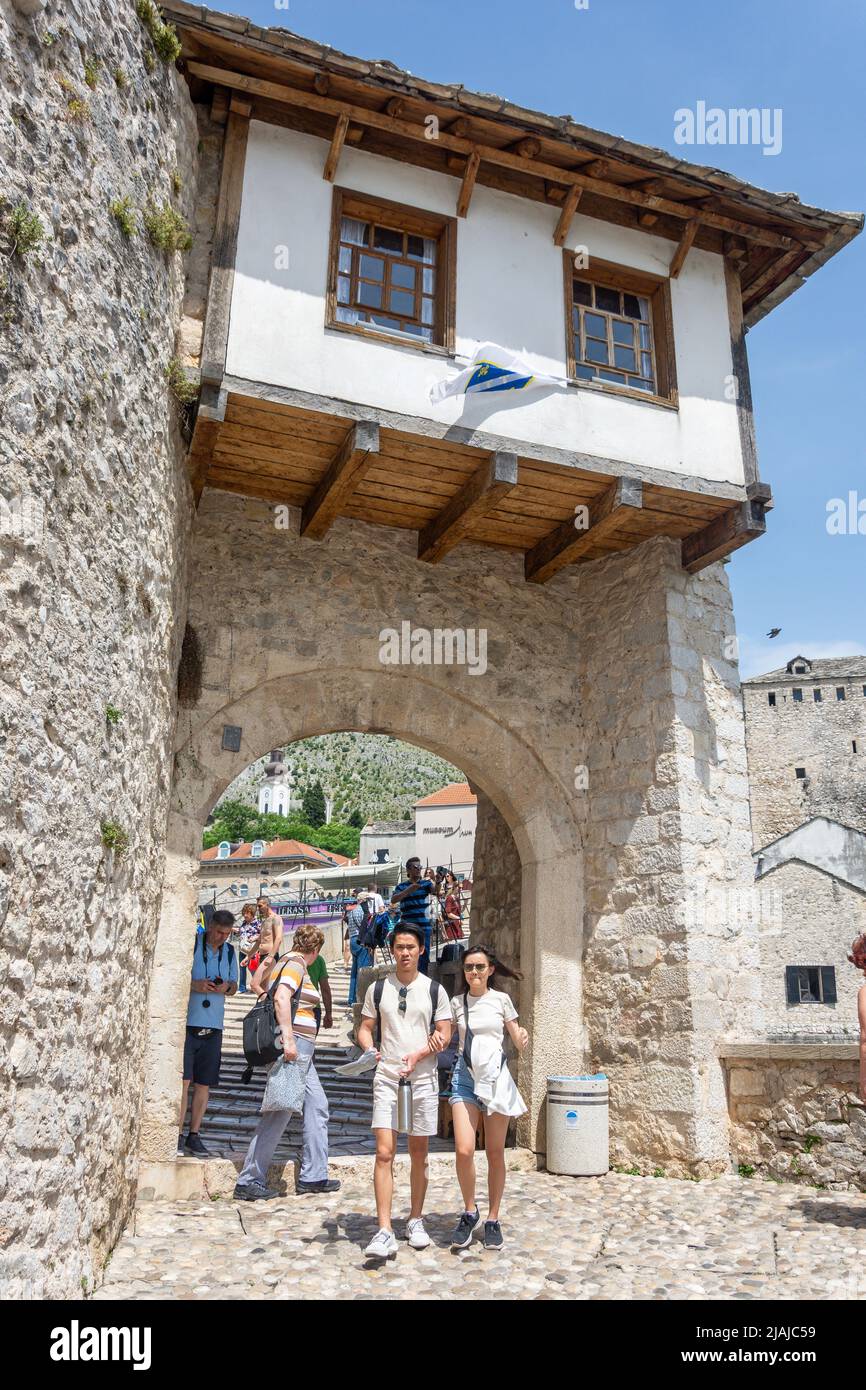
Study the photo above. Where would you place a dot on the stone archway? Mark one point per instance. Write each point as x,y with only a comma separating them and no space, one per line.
417,709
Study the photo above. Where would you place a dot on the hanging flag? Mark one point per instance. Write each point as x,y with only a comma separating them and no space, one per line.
492,368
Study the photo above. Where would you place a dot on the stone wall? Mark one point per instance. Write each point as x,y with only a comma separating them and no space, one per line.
495,914
796,1114
92,605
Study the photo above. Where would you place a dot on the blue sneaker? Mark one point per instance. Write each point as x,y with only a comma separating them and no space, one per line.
463,1230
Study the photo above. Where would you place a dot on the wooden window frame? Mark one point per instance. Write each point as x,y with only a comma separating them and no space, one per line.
657,290
348,202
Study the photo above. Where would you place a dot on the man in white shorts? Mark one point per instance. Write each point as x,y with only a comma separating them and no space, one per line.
416,1023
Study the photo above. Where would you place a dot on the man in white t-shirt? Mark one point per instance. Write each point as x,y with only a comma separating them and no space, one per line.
415,1015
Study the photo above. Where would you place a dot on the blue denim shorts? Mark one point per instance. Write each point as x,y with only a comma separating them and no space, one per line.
461,1087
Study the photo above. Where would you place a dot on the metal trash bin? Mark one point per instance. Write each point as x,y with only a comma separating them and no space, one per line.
578,1125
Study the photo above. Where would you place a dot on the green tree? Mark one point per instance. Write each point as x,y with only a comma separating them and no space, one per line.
356,820
313,804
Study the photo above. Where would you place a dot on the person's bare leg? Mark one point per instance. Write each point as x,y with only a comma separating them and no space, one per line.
465,1119
495,1130
200,1097
183,1104
383,1176
418,1146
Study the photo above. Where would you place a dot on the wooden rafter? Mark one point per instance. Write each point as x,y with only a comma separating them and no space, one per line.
569,543
468,184
337,142
566,217
225,243
493,480
724,535
690,231
454,139
356,455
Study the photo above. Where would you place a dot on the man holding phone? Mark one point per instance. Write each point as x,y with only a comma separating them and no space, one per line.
214,975
411,896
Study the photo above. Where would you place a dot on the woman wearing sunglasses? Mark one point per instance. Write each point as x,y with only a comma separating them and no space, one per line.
482,1084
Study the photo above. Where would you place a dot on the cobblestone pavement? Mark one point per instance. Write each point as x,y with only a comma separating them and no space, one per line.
566,1238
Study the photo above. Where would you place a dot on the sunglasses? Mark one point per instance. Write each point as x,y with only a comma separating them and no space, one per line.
472,969
403,991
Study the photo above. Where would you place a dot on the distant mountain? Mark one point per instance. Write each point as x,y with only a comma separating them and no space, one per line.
371,773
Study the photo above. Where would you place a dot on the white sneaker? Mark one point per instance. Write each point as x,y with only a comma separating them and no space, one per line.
416,1235
383,1246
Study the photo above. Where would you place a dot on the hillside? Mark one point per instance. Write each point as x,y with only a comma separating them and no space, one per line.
372,773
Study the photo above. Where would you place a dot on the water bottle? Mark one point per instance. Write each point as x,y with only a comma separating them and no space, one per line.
404,1106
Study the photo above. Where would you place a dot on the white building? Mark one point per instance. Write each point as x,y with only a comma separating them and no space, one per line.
276,793
445,828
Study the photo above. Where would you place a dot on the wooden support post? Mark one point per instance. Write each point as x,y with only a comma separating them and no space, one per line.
493,480
468,183
219,107
688,236
336,149
568,544
209,418
225,245
727,533
357,453
566,217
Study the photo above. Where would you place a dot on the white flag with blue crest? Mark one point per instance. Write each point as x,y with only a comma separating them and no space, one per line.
492,368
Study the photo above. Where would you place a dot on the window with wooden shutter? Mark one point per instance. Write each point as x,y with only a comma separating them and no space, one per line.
810,984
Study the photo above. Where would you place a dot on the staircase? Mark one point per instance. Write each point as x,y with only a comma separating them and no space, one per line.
233,1110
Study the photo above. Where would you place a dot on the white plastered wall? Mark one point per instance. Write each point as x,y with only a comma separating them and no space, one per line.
509,291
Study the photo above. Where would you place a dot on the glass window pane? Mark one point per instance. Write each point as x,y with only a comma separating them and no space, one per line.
402,302
346,258
623,332
427,311
371,268
344,289
404,276
631,306
646,364
595,351
370,294
607,299
640,385
387,239
644,309
429,250
354,231
575,319
415,247
596,326
346,315
414,328
582,292
612,376
427,334
645,336
384,322
624,357
429,277
584,373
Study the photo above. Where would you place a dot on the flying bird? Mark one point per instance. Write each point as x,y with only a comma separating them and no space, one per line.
774,632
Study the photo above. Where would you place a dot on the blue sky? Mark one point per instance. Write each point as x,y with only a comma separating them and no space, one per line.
625,66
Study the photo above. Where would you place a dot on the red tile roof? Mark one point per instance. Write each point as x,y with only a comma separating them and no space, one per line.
279,849
455,794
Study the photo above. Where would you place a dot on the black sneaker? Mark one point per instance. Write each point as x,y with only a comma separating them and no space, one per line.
493,1236
325,1185
180,1149
195,1147
253,1192
463,1230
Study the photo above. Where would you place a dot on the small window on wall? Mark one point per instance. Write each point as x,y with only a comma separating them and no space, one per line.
619,330
258,849
224,849
798,696
771,698
392,272
810,984
244,890
800,772
817,696
840,692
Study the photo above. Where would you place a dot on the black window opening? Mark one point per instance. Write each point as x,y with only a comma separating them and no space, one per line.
798,696
853,745
840,692
771,698
817,696
810,984
799,772
799,670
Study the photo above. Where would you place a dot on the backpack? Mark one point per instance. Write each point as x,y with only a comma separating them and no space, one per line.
261,1028
367,929
378,991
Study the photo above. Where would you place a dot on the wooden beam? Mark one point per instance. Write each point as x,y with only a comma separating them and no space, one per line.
354,135
209,419
336,149
219,107
566,217
240,108
528,147
396,107
322,83
689,233
493,480
567,544
357,453
225,244
596,168
469,177
727,533
778,269
454,139
734,247
647,219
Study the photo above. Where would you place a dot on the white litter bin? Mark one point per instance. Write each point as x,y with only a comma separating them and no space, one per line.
578,1125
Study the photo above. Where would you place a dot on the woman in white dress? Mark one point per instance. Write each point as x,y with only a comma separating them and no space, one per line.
858,958
482,1084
